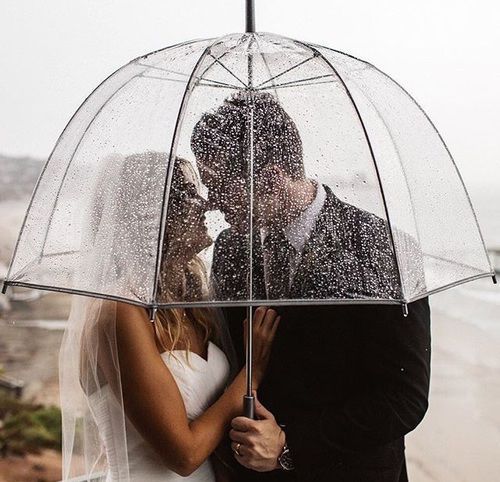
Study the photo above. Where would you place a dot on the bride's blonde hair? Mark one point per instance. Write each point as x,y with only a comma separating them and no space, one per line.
171,325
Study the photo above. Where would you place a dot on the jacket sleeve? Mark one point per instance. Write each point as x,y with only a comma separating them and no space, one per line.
395,395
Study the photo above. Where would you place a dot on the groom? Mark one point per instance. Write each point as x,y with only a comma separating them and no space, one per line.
345,383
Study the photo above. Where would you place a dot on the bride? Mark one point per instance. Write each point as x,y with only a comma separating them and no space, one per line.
151,401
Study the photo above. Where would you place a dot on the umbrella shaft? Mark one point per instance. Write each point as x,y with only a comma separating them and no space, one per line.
249,350
250,23
248,399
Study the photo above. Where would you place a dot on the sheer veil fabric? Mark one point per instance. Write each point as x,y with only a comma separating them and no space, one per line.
97,436
89,368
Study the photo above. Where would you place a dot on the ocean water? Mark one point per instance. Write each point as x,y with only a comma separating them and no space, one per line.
486,201
478,302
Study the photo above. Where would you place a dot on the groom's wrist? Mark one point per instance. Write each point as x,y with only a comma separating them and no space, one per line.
281,446
284,460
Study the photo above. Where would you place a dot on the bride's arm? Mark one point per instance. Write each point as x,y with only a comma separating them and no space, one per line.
152,400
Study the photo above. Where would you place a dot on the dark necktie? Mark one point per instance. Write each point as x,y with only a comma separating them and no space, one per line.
277,251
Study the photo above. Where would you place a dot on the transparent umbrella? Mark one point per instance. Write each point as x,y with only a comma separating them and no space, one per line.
326,183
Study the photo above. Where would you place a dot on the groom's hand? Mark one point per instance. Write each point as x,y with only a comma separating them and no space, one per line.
258,442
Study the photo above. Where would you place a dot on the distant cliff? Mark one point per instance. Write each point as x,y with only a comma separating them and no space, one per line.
18,176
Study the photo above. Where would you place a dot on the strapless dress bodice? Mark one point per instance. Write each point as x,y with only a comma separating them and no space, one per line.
200,383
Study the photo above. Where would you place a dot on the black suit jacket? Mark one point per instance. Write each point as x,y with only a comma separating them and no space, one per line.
348,381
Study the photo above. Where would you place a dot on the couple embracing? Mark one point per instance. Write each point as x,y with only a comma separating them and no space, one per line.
338,386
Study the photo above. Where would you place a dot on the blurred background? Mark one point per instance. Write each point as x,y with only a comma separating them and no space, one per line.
53,54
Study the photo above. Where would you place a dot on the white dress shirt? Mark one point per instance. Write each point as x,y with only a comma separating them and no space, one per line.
298,232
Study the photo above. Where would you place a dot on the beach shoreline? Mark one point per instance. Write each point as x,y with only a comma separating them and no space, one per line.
459,438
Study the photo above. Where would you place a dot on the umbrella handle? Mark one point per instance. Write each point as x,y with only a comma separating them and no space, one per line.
249,406
249,399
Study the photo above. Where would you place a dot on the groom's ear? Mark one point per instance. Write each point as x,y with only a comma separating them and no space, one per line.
271,179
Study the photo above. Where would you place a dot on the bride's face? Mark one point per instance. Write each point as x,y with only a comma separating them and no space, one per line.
187,232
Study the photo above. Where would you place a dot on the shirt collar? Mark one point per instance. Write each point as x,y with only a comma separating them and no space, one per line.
299,230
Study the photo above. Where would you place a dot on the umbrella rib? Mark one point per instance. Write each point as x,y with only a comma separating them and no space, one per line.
437,132
266,63
372,155
237,44
170,71
219,85
228,70
185,75
220,57
170,167
156,77
441,258
424,113
403,171
300,82
63,180
302,62
283,86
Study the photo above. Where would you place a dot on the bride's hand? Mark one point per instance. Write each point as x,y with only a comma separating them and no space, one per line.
265,324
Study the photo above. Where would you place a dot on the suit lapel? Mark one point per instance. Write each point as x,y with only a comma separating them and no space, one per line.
324,244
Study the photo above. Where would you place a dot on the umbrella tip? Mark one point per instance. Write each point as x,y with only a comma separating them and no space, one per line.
152,313
4,287
494,278
405,309
250,16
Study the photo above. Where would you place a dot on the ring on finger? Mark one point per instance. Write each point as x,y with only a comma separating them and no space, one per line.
236,450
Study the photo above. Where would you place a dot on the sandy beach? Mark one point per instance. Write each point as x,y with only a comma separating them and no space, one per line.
43,467
459,439
30,336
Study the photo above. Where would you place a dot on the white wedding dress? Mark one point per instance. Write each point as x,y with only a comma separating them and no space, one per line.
200,384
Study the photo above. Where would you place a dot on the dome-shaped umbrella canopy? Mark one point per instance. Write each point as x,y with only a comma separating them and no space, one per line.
281,133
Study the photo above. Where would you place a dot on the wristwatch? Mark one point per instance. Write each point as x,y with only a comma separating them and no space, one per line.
285,459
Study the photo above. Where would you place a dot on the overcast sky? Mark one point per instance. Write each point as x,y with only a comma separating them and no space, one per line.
54,52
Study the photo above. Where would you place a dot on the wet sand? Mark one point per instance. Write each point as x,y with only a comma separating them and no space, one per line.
459,439
43,467
29,348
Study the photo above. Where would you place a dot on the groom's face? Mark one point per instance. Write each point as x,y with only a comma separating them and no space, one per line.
229,193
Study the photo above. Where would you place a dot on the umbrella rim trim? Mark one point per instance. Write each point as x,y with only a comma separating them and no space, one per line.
220,304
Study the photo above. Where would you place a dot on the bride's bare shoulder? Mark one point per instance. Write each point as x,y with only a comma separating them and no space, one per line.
132,321
128,310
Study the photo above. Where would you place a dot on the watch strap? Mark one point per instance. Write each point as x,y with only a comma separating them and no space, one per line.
285,459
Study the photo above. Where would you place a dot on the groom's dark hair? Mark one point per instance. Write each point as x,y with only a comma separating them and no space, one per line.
224,135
